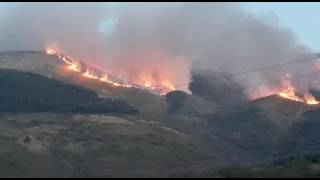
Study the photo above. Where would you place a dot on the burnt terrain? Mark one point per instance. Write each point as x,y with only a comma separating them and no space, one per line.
55,124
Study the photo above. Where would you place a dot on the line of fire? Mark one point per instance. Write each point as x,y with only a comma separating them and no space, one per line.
75,65
289,92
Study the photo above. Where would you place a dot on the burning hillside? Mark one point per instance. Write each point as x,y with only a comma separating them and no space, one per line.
160,87
285,89
290,93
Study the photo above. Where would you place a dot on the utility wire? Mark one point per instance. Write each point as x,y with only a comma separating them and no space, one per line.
236,74
314,56
278,65
288,78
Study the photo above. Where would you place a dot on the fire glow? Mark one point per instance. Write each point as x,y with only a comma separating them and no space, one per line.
88,74
74,67
290,93
161,87
51,51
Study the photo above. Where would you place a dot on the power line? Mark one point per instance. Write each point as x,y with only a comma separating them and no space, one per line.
222,109
317,55
314,56
280,80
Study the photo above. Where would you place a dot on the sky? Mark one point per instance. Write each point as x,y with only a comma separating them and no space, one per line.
301,18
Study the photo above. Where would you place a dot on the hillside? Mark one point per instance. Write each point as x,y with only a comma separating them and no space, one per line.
76,127
28,92
22,91
70,145
51,67
298,166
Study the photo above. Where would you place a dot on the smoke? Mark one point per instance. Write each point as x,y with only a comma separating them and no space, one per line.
69,26
157,41
217,87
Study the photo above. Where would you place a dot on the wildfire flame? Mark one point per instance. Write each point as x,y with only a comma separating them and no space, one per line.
74,66
51,51
66,61
168,85
104,78
309,99
90,75
163,87
290,93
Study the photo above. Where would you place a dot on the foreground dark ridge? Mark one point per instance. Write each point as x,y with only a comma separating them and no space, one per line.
190,135
28,92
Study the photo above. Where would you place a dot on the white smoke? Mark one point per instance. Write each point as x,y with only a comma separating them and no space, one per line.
165,39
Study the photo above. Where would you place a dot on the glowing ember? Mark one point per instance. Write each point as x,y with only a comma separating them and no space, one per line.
289,93
116,84
168,85
74,67
50,51
163,87
147,84
309,99
90,75
66,61
104,78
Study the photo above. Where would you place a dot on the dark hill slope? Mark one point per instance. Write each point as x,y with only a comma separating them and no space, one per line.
50,66
27,92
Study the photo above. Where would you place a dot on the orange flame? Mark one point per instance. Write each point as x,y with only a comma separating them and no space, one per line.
74,67
88,74
164,87
66,61
290,93
311,100
50,51
104,78
147,84
168,85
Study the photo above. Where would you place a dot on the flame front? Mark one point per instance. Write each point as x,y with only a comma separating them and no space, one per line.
90,75
144,80
104,78
309,99
163,86
290,93
51,51
74,66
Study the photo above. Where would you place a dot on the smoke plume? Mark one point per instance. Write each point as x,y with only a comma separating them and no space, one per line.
157,41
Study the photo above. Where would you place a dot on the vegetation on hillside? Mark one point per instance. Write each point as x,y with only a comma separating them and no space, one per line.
28,92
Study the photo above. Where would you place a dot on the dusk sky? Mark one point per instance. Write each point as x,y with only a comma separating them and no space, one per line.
301,18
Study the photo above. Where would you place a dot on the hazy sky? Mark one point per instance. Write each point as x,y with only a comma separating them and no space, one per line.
150,38
301,18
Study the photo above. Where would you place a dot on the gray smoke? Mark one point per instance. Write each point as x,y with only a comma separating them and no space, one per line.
164,38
